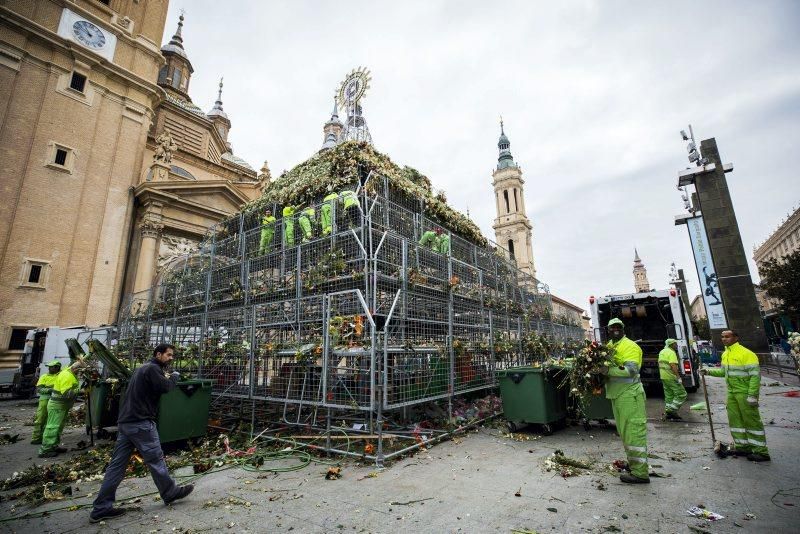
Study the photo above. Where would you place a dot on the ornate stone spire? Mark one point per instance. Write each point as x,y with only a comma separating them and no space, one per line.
176,74
176,43
504,145
332,129
217,110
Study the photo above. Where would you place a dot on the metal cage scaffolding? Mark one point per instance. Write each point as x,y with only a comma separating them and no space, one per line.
337,314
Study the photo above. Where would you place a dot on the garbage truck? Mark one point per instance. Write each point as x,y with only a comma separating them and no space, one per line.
650,318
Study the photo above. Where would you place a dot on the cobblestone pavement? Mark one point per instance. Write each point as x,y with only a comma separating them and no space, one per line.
485,481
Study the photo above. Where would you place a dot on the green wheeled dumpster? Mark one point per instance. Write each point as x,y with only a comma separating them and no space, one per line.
532,395
183,412
597,408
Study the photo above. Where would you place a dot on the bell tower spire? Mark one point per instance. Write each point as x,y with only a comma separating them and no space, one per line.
512,229
219,117
175,75
640,281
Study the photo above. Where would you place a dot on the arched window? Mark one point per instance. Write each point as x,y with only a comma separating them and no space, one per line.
516,200
162,75
505,196
176,78
511,248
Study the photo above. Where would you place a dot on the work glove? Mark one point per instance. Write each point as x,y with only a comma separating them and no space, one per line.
604,369
175,376
752,401
703,371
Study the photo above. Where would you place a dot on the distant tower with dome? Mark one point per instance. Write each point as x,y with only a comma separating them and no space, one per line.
512,229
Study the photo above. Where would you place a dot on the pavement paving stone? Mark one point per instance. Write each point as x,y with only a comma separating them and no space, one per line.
469,485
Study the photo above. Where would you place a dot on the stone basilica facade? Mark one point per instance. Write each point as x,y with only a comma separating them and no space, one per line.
107,167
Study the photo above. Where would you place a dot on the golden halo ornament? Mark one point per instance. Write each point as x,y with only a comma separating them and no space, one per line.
354,87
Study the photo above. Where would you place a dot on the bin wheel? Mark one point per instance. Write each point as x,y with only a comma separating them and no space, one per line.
512,426
587,426
603,421
547,430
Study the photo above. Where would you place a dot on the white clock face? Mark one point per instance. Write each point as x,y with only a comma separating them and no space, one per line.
89,34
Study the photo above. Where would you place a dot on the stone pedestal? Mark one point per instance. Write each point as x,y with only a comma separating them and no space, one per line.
158,172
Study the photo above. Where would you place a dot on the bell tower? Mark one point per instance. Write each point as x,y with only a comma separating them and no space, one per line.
512,229
640,282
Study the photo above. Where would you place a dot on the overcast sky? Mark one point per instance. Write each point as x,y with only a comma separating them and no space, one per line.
593,94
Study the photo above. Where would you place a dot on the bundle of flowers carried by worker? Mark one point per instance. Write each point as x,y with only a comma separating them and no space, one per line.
586,375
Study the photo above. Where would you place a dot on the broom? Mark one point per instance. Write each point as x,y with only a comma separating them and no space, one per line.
720,449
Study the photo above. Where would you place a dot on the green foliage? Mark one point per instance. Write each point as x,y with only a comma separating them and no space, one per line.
339,167
781,280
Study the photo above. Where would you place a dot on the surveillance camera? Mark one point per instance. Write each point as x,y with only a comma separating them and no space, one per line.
691,147
683,134
693,156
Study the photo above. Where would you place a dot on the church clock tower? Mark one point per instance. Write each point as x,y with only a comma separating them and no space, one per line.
512,229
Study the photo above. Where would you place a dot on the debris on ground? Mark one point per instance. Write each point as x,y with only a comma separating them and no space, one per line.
566,466
334,473
77,415
600,485
467,411
7,439
42,483
701,512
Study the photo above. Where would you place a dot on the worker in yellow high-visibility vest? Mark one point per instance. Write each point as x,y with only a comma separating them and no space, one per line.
288,226
267,232
742,373
65,391
624,389
44,387
674,392
326,212
351,207
306,222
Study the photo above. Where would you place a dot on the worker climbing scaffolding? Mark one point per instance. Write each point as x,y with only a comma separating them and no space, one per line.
351,207
44,388
267,232
306,221
436,240
327,212
288,226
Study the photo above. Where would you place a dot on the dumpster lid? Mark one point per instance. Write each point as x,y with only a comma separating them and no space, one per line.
111,362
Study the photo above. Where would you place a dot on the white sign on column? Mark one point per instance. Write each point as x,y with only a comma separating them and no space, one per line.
709,285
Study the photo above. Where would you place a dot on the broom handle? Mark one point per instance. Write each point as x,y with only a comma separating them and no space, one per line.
708,408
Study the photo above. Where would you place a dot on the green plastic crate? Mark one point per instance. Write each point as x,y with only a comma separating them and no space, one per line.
532,395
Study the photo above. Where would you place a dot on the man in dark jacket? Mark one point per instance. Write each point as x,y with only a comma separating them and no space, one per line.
136,429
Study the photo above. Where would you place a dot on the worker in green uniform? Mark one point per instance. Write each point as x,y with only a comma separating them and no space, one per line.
743,377
674,392
306,222
288,226
351,207
624,389
65,390
267,232
431,239
44,387
444,243
326,212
